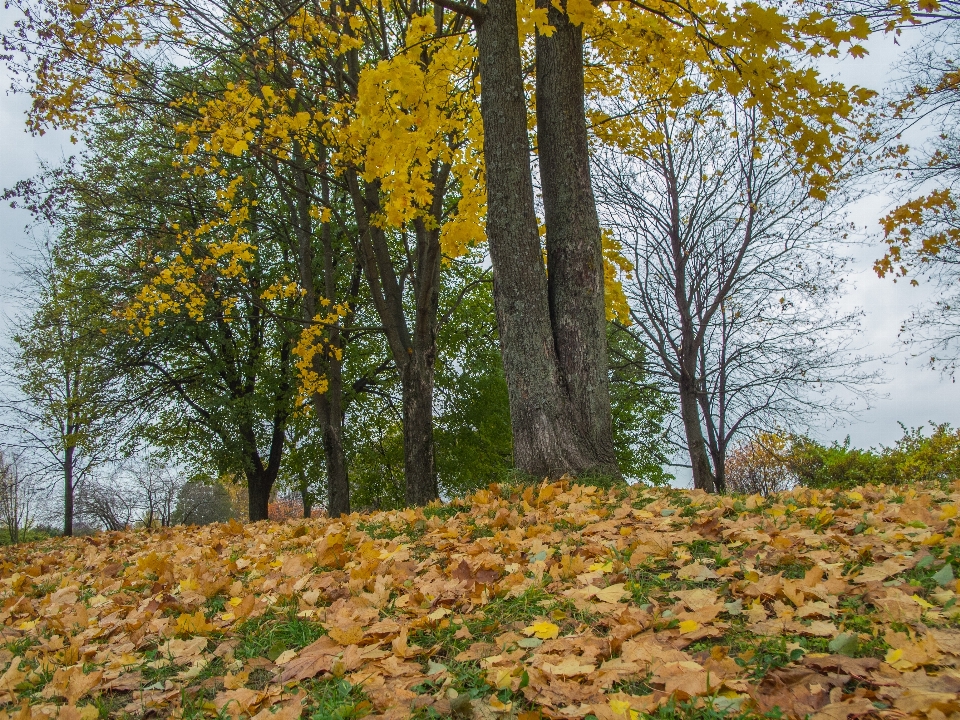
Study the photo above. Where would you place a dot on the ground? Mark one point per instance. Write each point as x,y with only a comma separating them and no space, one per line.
558,601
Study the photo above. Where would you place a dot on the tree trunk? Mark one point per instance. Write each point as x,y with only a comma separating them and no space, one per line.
329,405
68,491
338,482
305,497
413,351
574,248
690,413
418,454
545,440
259,485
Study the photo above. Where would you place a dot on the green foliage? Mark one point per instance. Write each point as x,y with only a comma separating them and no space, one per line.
914,458
836,465
472,432
640,411
202,503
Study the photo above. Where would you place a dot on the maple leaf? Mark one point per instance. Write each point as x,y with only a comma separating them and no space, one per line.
612,593
195,624
545,630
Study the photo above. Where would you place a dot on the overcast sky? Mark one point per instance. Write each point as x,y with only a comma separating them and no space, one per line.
912,394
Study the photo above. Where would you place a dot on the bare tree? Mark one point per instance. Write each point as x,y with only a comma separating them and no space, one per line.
159,486
759,466
736,271
139,490
108,503
18,497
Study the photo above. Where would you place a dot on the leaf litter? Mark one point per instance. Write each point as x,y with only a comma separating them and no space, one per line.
558,601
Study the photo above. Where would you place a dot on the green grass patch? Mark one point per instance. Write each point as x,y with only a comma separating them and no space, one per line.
276,631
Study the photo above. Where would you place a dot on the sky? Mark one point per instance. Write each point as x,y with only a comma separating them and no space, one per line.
912,393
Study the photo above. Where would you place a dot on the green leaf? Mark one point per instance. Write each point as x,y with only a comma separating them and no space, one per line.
844,644
944,576
524,680
434,667
276,649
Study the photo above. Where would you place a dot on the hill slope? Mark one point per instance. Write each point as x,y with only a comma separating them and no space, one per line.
560,601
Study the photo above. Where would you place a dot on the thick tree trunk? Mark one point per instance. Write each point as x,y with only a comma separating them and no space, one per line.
338,481
545,439
68,491
696,444
259,485
574,248
418,450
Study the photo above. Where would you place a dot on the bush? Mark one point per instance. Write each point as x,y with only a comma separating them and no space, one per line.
770,462
760,466
202,503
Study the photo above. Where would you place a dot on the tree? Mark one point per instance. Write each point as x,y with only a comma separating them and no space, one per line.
139,490
551,328
65,402
108,503
758,466
735,272
19,496
207,347
201,502
922,234
399,122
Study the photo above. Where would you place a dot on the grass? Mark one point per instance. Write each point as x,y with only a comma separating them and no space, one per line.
275,631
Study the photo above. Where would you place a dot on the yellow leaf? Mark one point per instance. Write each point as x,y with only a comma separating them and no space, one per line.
622,708
543,630
438,613
195,624
688,626
612,593
893,656
921,602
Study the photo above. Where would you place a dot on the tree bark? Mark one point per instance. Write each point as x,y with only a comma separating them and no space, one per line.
418,449
574,247
413,346
546,438
696,444
259,485
328,406
68,491
306,497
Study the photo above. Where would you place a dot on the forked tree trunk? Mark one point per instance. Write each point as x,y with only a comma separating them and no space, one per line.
574,247
412,344
548,436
